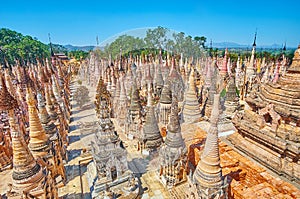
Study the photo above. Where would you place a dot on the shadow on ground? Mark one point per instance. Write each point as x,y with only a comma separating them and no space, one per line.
73,138
73,171
73,153
77,196
73,127
138,166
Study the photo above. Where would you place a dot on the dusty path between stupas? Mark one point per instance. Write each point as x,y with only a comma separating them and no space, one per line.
82,128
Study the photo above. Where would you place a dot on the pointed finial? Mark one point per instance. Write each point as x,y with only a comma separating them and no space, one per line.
254,42
51,49
284,47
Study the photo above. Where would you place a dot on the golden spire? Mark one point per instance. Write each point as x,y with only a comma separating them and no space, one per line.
38,143
25,169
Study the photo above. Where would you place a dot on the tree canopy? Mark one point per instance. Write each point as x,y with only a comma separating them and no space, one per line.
78,54
125,43
17,48
158,38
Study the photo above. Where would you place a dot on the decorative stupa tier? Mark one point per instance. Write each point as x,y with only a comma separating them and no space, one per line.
39,142
50,107
48,125
110,157
212,90
270,128
232,99
51,129
56,113
134,114
224,69
5,150
207,178
191,107
165,104
135,106
175,82
7,103
152,138
30,178
116,97
122,106
101,94
250,72
173,152
158,80
59,103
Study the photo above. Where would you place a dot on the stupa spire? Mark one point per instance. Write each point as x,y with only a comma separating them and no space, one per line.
26,172
173,151
208,174
254,42
174,138
7,102
152,137
224,69
48,125
165,104
39,142
191,108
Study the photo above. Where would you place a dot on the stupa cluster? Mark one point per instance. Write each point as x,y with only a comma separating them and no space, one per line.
149,98
34,125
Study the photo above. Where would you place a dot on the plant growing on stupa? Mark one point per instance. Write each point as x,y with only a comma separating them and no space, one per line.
81,96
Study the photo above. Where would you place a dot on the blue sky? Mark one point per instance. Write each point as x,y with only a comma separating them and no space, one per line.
79,22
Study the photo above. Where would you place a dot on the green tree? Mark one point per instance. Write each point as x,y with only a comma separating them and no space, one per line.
156,38
16,48
78,54
126,43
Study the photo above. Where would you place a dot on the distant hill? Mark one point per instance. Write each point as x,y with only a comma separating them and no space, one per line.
83,48
243,46
220,45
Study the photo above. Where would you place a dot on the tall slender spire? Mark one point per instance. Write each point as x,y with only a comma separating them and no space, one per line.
254,42
39,142
51,49
284,47
208,174
250,71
